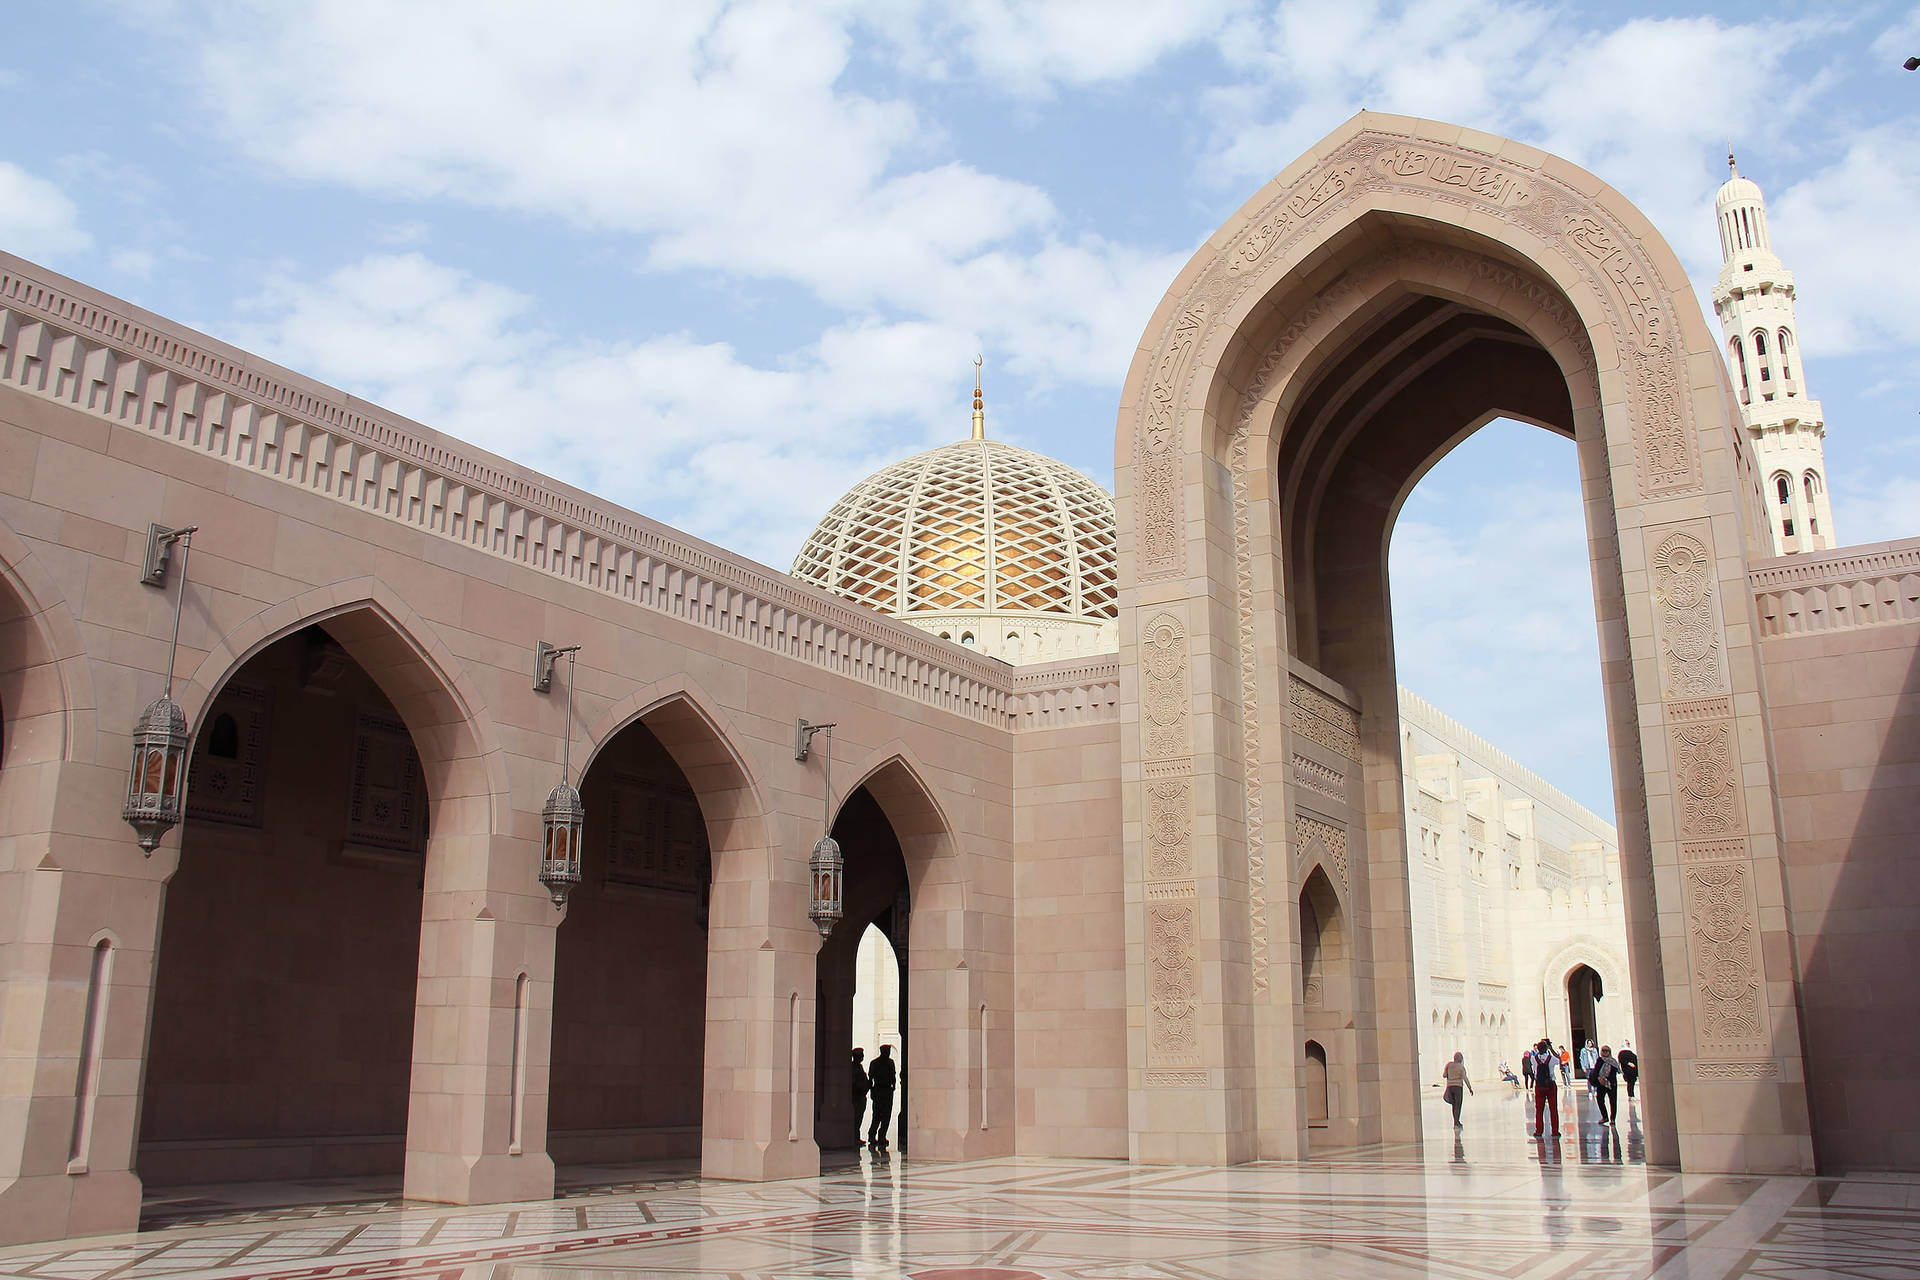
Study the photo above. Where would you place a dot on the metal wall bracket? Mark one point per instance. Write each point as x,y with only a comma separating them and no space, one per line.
160,540
544,657
803,738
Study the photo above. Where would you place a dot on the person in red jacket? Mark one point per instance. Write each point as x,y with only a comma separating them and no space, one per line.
1546,1088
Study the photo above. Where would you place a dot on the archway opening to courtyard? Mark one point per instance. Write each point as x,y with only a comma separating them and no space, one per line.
877,973
1426,333
1584,991
630,963
283,1005
877,904
1512,857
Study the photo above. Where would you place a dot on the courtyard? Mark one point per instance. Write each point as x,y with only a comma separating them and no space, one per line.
1489,1202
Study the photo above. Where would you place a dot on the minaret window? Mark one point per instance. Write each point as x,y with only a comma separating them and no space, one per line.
1760,355
1740,362
1784,488
1786,359
1810,481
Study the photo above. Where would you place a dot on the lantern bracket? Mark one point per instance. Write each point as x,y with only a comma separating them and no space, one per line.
803,737
544,658
159,559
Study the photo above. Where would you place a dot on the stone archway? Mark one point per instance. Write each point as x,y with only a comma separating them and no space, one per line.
959,982
759,983
1378,301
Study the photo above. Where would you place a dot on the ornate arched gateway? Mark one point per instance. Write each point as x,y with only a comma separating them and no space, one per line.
1386,295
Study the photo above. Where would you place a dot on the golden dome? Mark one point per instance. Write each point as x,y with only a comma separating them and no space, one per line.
996,546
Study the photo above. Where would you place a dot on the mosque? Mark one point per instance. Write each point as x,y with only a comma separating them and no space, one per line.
372,803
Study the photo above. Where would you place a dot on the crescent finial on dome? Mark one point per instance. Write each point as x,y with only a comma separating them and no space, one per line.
979,410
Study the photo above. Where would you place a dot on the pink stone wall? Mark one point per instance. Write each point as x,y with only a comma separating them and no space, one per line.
1845,712
283,1003
1071,1017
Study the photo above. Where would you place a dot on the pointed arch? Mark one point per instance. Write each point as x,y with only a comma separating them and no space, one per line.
703,741
46,680
404,655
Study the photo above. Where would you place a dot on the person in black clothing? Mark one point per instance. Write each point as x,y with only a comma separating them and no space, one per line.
1604,1083
882,1076
1629,1067
860,1087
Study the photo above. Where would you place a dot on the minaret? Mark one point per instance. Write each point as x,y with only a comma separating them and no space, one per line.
1754,300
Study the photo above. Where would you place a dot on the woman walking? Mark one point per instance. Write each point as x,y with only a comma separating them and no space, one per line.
1456,1077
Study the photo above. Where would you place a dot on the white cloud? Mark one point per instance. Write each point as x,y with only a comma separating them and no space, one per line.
36,218
684,431
1493,605
1034,49
1848,232
724,138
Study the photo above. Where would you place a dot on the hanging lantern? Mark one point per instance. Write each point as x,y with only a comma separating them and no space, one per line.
561,822
156,784
828,874
157,777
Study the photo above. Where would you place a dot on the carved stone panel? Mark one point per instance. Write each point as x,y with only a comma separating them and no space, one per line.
1173,983
1169,829
227,780
1706,780
656,835
1723,943
386,808
1686,615
1166,698
1320,837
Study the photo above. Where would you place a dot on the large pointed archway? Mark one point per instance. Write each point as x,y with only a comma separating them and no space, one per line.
1384,297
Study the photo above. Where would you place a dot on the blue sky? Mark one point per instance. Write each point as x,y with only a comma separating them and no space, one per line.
716,262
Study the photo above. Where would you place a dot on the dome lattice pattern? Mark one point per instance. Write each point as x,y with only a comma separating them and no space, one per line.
978,525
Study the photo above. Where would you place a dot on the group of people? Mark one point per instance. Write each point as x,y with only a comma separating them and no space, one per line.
878,1081
1544,1068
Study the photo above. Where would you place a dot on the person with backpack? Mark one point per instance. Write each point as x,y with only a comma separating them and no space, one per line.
1546,1088
1604,1084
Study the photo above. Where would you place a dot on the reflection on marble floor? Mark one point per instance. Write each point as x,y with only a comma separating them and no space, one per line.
1489,1202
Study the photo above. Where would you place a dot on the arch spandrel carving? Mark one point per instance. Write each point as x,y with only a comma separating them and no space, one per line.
1611,276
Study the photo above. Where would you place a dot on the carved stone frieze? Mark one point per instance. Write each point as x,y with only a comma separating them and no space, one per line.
227,780
1177,1080
1765,1069
1319,778
1327,721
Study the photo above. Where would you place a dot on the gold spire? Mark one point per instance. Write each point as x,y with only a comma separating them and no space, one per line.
1732,169
979,411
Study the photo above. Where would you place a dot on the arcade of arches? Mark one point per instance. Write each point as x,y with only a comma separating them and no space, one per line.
1151,905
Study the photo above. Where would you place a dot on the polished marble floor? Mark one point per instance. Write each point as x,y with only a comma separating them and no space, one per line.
1489,1202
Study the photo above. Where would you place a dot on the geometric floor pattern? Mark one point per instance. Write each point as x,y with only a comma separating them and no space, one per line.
1487,1203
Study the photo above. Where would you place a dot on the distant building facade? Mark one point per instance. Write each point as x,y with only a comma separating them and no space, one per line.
1519,927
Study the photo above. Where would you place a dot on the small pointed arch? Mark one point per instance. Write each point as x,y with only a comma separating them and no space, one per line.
702,739
1737,350
404,655
1783,488
896,780
1785,337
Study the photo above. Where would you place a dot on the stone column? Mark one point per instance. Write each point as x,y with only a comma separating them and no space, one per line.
757,1109
476,1123
83,921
